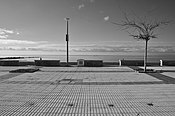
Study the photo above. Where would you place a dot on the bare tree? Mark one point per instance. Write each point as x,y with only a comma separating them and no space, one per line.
142,30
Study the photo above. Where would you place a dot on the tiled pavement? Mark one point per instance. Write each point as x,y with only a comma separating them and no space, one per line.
82,91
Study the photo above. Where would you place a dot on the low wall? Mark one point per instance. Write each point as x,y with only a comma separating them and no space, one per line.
9,63
65,63
167,62
109,64
93,63
131,62
26,63
47,62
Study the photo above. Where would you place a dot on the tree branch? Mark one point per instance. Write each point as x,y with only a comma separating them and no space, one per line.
145,30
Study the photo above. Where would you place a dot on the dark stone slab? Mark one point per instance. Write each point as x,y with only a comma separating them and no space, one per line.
157,75
164,78
24,70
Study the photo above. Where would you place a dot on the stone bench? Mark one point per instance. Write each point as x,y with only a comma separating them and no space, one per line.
47,63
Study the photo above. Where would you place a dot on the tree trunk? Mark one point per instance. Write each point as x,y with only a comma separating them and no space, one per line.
145,56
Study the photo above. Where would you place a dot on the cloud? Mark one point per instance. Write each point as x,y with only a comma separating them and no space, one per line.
117,47
81,6
3,36
10,42
25,45
99,48
4,33
123,47
161,49
106,18
84,2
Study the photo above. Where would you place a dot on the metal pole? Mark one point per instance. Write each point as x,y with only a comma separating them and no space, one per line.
67,39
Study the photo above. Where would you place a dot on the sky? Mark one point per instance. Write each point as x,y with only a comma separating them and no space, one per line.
29,26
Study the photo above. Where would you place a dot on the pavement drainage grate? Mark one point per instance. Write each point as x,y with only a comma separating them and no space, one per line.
150,104
110,105
29,104
67,80
70,105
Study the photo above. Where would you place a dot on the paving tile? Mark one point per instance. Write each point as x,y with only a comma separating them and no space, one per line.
54,91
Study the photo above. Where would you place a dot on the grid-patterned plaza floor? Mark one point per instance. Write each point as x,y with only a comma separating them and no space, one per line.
82,91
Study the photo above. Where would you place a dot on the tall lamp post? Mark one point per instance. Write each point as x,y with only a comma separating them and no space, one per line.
67,39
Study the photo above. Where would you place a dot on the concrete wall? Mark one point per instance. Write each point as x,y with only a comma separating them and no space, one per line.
26,63
131,62
9,63
47,62
93,63
167,62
